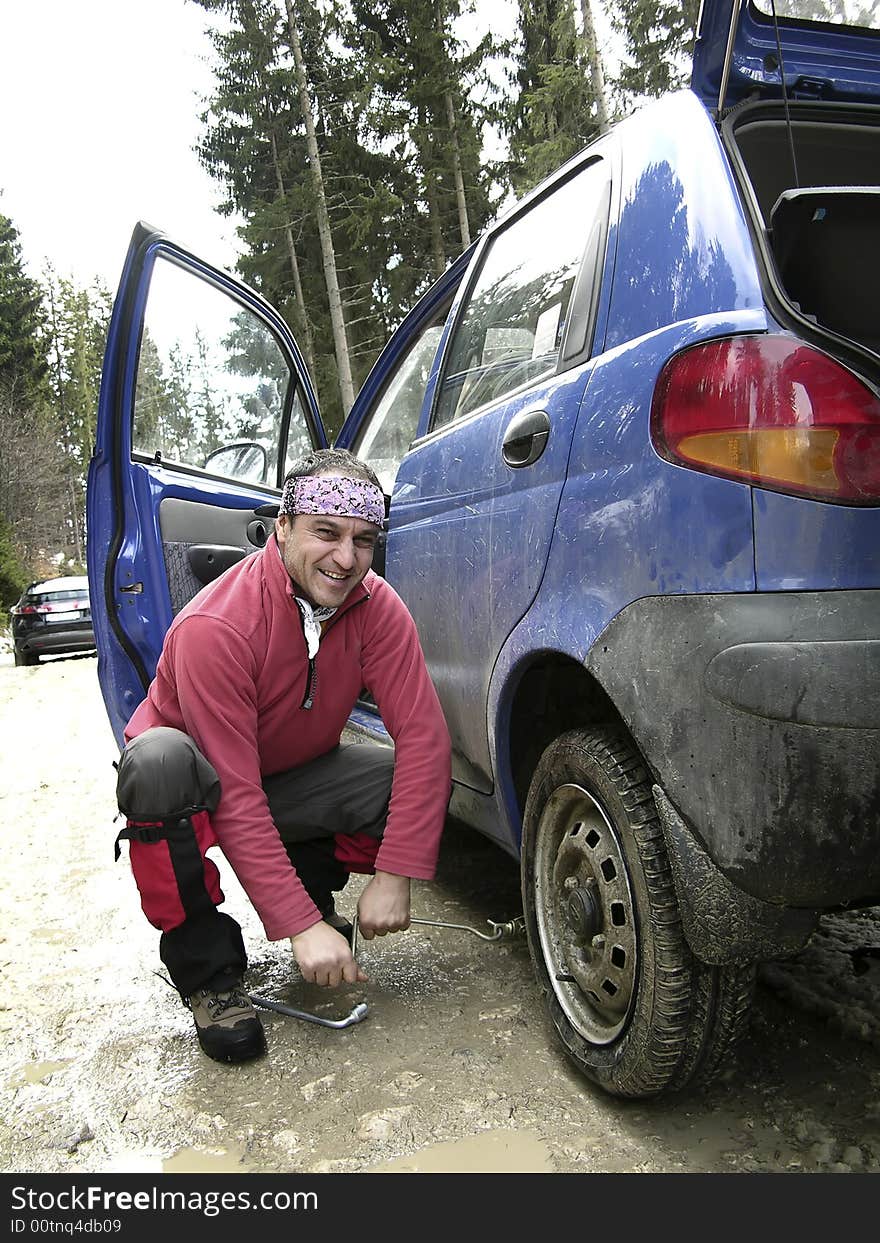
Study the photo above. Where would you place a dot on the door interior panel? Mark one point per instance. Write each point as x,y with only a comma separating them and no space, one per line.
200,541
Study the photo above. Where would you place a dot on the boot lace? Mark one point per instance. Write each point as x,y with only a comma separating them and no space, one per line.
230,999
233,999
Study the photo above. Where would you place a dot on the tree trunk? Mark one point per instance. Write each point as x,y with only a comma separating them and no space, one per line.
438,250
334,299
73,523
460,198
463,222
597,77
302,317
75,517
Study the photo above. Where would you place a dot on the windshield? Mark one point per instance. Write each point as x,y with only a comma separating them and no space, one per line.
862,13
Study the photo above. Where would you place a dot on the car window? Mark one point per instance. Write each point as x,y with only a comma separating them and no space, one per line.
509,331
44,597
390,428
212,382
865,15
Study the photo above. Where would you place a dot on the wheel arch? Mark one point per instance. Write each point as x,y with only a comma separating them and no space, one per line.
547,694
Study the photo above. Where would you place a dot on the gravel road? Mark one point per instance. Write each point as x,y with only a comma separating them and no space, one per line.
455,1069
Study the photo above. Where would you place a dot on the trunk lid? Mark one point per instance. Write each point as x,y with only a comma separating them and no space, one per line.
820,49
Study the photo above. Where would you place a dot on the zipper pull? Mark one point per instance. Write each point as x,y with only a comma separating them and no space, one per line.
310,686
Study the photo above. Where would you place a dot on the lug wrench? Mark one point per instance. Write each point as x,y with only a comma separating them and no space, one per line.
503,931
500,931
358,1014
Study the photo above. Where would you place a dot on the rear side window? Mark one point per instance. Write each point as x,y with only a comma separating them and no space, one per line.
865,15
388,431
510,331
53,597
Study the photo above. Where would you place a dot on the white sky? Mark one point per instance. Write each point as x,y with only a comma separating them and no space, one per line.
99,108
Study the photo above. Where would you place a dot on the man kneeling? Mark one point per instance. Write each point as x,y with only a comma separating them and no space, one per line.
237,744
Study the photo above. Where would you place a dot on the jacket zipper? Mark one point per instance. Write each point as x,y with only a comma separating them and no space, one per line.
312,679
311,682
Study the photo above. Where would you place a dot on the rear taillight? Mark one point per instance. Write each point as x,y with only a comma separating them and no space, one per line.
772,411
66,606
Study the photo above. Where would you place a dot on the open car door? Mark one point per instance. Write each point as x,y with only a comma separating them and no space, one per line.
205,402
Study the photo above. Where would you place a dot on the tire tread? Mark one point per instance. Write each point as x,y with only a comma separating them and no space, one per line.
697,1012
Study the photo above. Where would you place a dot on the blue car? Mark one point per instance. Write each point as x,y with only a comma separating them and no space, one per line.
631,445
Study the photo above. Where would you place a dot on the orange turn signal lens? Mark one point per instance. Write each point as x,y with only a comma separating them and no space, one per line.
771,411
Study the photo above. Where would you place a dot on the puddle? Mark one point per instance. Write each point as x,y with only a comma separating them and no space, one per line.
36,1072
204,1161
491,1152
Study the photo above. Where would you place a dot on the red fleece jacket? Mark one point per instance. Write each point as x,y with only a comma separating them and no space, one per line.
233,674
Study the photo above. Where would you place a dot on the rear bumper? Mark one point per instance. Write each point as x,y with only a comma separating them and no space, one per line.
759,716
55,640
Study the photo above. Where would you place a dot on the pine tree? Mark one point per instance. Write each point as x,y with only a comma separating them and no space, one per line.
421,82
78,320
398,143
33,489
13,575
556,110
658,44
23,361
257,143
251,145
322,216
34,497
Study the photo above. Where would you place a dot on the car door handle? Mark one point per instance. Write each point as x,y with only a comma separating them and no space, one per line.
525,438
208,561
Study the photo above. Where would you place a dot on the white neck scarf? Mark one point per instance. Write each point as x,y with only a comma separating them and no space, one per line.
312,619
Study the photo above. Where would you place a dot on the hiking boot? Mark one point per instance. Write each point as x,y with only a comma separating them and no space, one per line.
338,922
227,1024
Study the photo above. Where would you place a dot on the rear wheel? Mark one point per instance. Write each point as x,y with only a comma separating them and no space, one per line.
635,1011
24,658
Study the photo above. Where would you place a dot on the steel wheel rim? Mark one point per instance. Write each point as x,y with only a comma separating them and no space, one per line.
585,914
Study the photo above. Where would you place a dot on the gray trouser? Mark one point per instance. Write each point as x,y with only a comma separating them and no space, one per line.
330,814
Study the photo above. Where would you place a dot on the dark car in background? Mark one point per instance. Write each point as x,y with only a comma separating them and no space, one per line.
52,618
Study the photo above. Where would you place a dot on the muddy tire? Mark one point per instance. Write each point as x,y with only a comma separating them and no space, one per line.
636,1012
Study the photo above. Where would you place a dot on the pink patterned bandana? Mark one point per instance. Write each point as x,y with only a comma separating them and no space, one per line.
333,494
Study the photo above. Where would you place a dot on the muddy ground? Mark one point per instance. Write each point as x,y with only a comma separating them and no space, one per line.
455,1068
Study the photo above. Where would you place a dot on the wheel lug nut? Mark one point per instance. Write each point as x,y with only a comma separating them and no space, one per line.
598,943
570,882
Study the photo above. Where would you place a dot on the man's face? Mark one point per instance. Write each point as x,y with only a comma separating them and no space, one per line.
326,555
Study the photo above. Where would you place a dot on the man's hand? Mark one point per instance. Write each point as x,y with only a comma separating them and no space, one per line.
384,905
324,957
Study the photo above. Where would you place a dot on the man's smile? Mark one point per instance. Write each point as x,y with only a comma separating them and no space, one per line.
327,555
